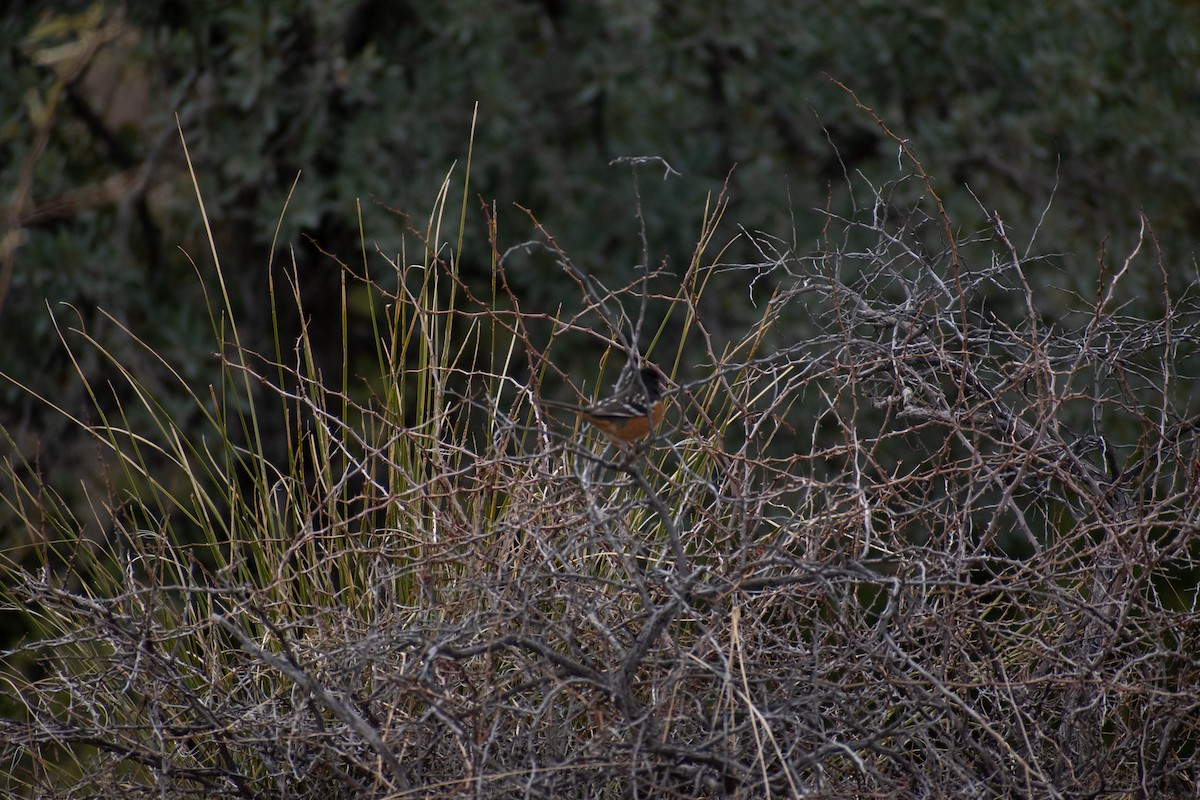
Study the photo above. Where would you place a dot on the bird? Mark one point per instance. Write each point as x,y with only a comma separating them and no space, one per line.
631,412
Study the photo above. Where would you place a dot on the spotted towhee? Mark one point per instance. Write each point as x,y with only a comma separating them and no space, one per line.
632,412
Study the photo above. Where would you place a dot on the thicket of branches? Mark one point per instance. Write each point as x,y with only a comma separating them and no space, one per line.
906,537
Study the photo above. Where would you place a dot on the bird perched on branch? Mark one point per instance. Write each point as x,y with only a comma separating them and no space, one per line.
631,412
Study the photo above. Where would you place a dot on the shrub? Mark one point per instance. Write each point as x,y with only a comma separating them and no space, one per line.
902,537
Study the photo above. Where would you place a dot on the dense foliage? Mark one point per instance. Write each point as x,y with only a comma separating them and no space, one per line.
279,505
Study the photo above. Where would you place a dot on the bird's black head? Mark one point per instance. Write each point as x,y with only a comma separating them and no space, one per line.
652,380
